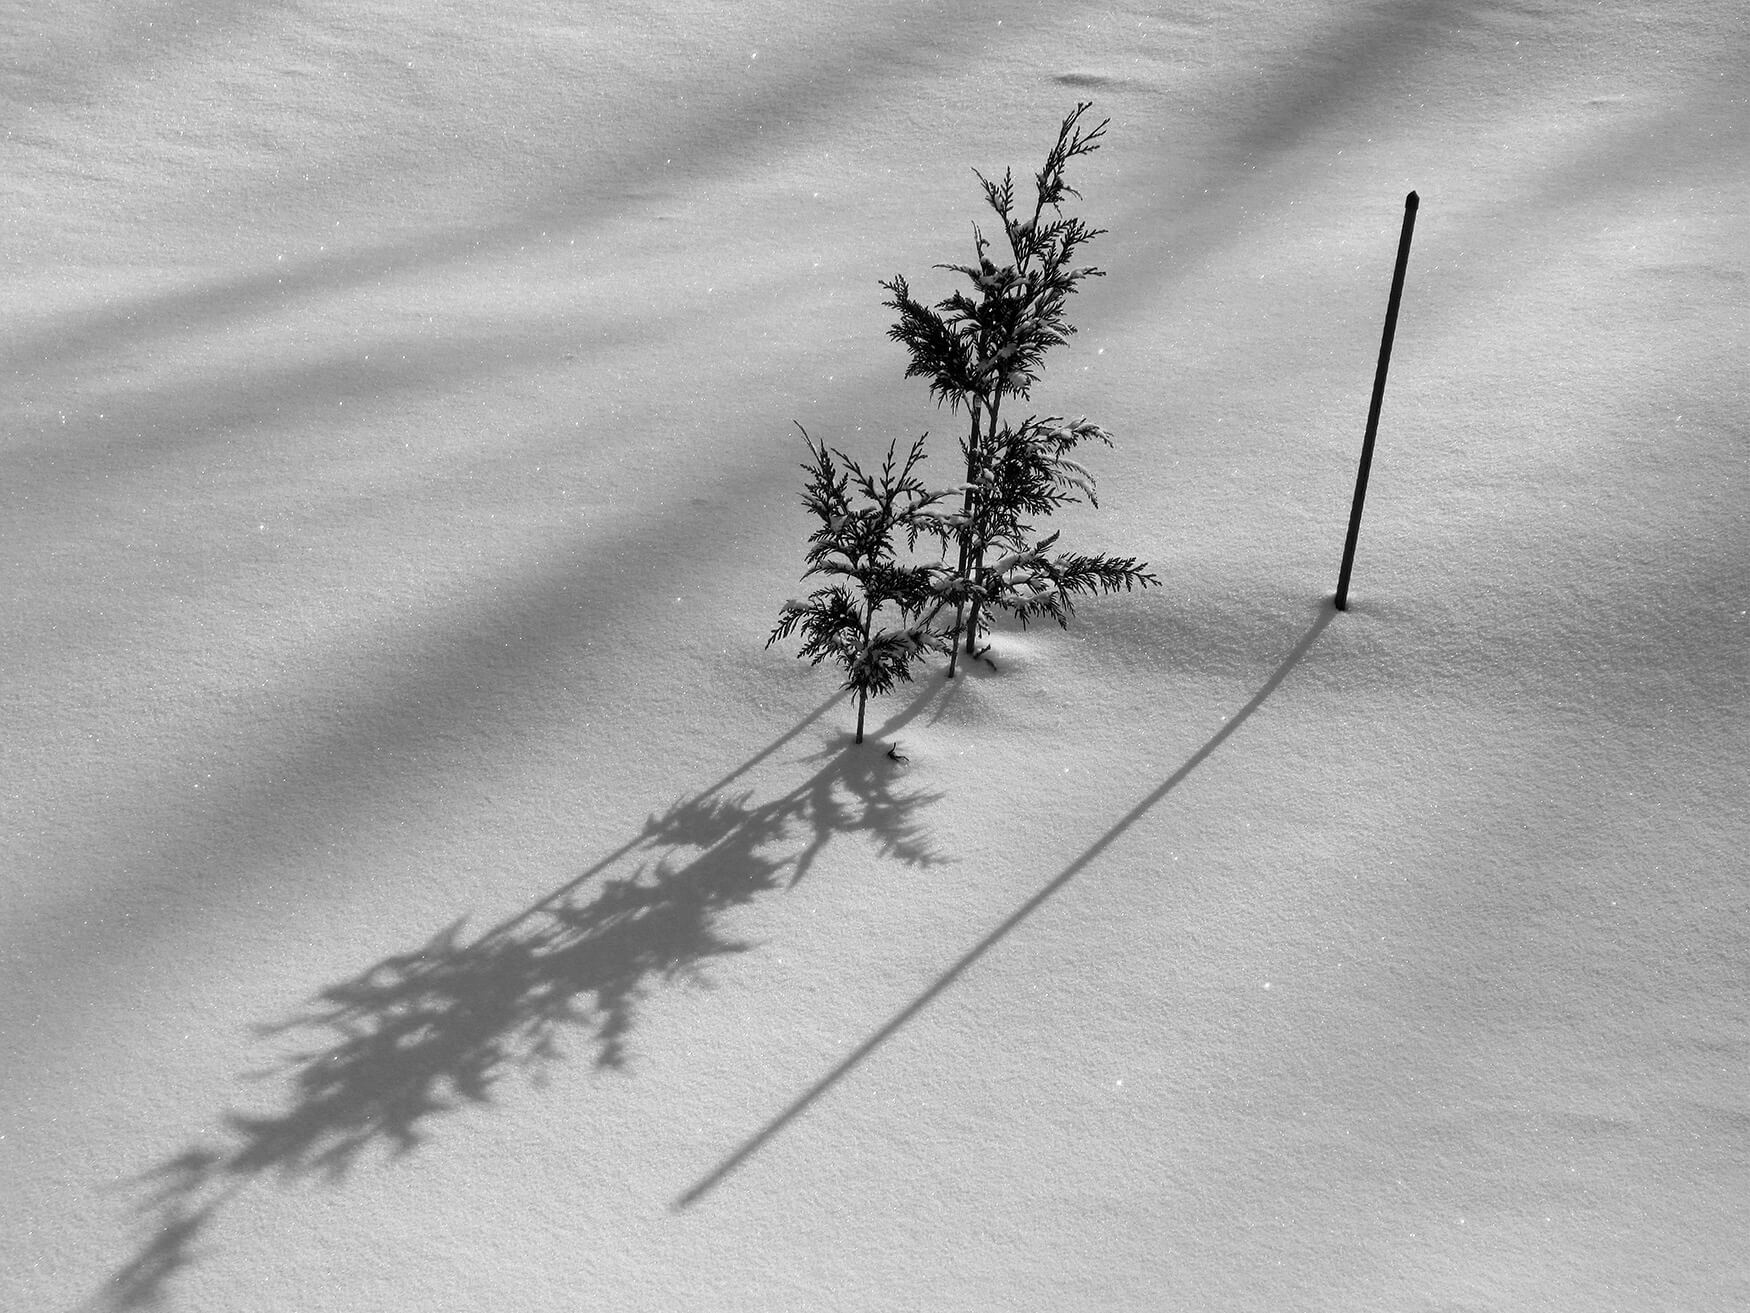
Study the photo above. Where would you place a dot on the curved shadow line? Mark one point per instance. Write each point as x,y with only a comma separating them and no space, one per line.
753,1143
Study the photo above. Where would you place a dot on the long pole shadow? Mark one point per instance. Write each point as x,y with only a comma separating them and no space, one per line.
715,1177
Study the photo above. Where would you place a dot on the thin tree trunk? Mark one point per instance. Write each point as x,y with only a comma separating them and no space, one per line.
965,530
863,693
975,567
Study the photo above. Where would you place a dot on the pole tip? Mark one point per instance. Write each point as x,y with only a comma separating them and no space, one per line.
1411,201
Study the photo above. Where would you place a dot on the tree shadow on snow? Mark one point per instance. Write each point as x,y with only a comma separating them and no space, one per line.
378,1058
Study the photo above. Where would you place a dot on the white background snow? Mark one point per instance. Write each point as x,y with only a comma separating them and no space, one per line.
399,484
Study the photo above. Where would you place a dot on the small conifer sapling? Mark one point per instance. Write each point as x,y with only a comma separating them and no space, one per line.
981,347
878,617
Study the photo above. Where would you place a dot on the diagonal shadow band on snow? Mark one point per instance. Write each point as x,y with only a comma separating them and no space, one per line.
715,132
476,669
750,1146
1363,58
130,428
380,1057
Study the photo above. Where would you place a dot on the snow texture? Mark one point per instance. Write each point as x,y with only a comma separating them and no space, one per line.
421,889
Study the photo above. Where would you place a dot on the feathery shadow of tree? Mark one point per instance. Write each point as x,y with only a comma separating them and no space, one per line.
377,1060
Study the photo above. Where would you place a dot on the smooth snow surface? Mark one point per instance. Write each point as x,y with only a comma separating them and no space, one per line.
421,889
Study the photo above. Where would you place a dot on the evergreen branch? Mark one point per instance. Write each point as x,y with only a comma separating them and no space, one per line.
937,351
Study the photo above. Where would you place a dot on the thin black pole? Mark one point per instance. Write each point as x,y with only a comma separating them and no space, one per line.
1391,326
